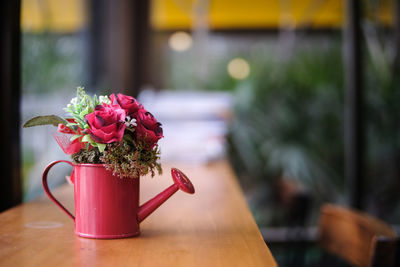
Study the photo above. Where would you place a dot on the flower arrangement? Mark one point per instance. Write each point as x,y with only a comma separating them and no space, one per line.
112,130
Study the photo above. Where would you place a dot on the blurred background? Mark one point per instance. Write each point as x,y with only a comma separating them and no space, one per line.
266,85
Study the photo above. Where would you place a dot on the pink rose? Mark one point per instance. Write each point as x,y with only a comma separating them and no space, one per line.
128,103
148,130
106,123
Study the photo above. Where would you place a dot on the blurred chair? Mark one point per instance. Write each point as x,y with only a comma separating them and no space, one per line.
357,238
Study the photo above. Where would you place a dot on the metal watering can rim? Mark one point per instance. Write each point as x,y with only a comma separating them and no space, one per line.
99,165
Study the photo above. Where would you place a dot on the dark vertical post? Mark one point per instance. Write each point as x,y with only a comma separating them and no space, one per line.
118,45
354,131
95,45
10,181
141,33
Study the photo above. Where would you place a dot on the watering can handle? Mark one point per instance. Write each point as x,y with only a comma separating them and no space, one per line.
47,190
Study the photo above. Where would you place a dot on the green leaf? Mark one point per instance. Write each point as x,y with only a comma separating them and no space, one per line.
96,100
75,137
101,147
84,112
72,125
88,138
45,120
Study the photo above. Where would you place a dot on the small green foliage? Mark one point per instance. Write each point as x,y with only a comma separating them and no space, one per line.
101,147
83,104
128,161
76,136
88,139
79,107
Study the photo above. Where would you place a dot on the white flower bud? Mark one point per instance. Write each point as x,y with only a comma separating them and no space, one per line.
104,99
133,122
130,122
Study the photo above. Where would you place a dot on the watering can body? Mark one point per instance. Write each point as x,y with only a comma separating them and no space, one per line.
107,206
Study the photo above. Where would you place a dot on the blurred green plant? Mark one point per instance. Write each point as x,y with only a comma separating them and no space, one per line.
289,117
288,123
181,73
51,62
382,117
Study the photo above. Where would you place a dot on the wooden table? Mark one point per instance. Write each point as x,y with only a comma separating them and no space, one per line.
213,227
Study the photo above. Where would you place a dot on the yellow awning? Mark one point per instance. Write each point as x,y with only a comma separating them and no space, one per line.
256,14
70,15
64,16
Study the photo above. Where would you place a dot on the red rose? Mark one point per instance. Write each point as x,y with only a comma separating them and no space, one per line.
128,103
106,123
148,130
65,129
74,146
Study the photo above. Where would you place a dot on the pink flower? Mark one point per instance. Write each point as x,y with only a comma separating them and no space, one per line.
148,130
106,123
128,103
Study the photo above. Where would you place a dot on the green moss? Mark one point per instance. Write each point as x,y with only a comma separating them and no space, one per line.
87,156
131,161
124,160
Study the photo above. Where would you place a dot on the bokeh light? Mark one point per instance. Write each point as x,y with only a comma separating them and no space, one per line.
238,68
180,41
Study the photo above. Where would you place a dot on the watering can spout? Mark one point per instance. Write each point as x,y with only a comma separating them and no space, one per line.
180,182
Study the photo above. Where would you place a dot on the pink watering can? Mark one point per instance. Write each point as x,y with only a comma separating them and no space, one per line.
107,206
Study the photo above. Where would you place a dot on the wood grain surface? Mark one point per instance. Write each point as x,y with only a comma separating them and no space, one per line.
213,227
